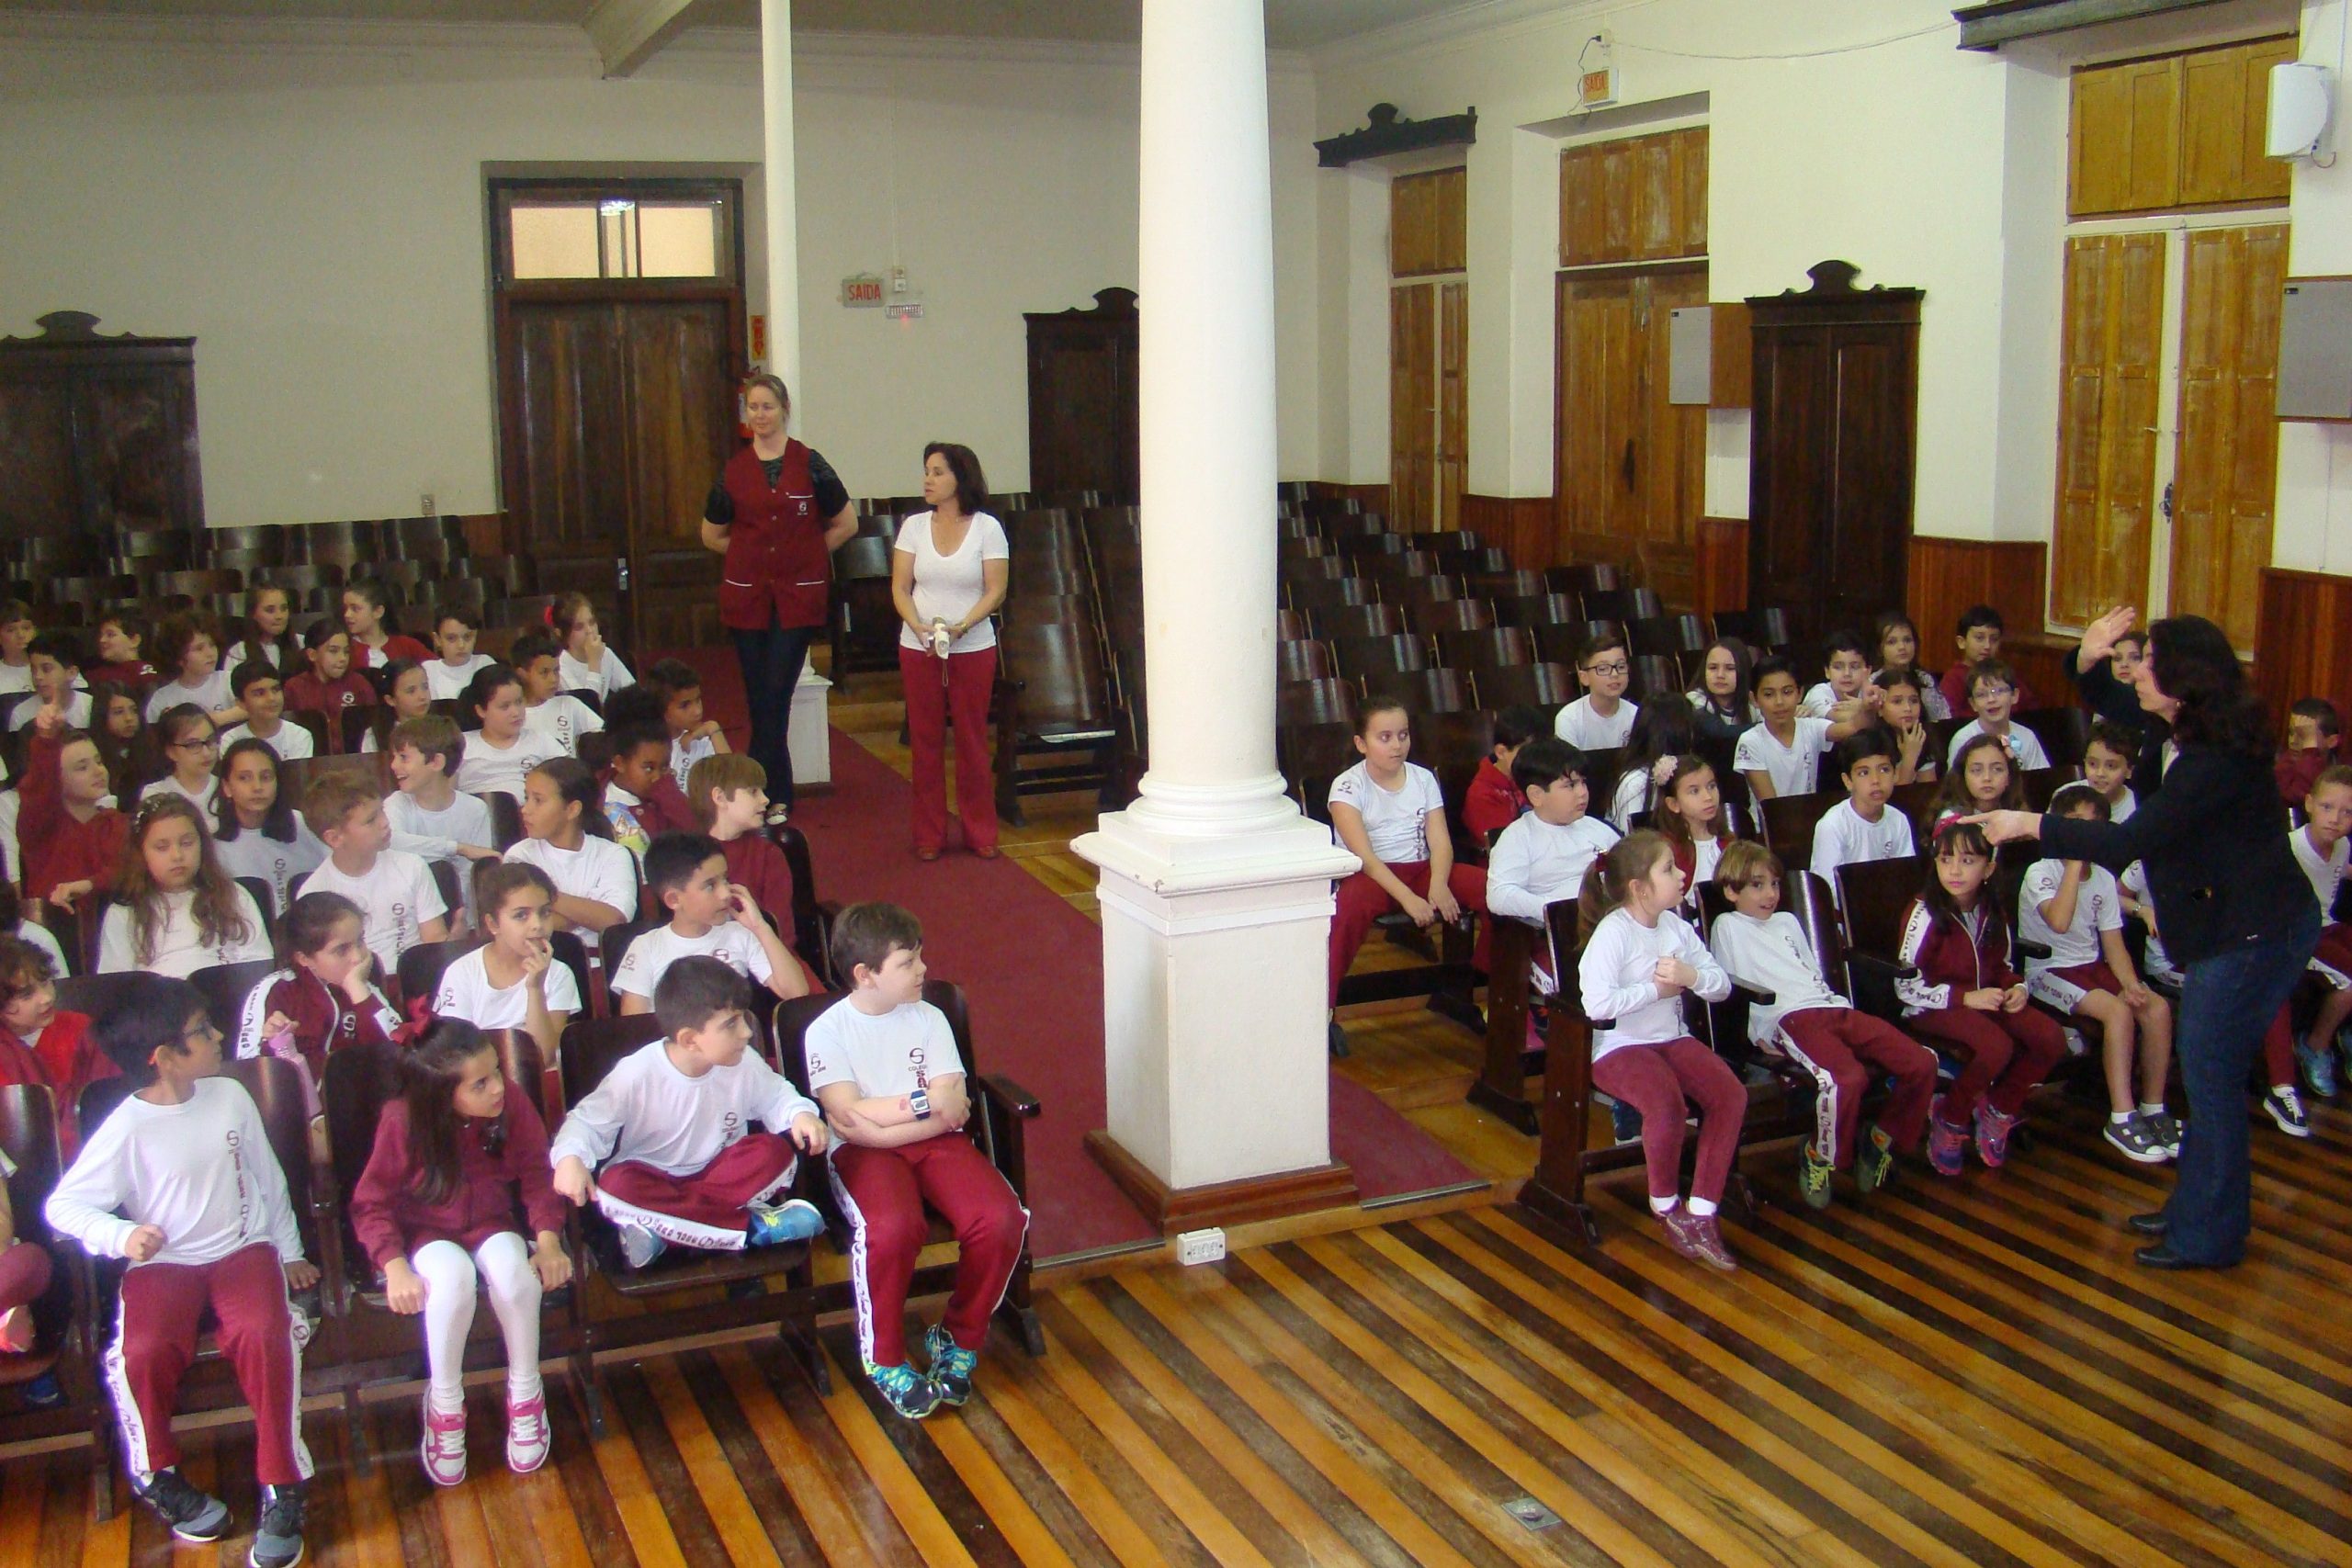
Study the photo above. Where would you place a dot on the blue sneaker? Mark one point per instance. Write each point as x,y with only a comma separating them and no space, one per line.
640,1247
43,1392
2319,1068
905,1390
1623,1120
795,1219
950,1364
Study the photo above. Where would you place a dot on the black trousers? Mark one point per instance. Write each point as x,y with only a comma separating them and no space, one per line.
772,660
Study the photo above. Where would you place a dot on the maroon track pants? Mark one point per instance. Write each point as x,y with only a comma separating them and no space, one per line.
259,1332
2334,960
25,1271
883,1193
710,1209
1843,1049
2007,1053
932,692
1655,1080
1361,901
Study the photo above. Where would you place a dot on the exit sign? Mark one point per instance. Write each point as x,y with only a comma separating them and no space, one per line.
1595,88
862,291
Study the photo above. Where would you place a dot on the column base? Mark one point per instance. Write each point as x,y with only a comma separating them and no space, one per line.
1269,1196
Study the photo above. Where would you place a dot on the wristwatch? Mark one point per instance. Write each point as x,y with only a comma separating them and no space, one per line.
919,1103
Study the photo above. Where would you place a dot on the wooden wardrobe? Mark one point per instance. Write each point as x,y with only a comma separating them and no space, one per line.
1082,402
1835,419
96,431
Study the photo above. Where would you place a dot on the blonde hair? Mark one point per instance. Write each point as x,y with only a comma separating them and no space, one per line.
1742,860
328,804
1625,863
721,772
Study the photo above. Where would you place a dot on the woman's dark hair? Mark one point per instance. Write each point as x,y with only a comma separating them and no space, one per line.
139,1014
578,786
132,763
971,487
481,690
1966,835
430,1072
2196,667
278,822
312,918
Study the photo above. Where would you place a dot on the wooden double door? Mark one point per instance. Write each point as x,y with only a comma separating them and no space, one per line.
618,409
1429,426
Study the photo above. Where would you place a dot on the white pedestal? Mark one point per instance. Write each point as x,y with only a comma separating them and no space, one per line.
809,740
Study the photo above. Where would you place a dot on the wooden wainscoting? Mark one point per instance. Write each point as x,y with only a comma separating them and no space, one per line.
1521,526
1372,498
2303,639
1719,579
1948,575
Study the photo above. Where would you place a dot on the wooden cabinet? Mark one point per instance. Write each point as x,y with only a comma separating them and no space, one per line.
1639,198
97,431
1837,388
2178,131
1427,227
1082,403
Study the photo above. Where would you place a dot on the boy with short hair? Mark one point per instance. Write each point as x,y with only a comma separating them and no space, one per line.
1861,828
55,659
393,889
2323,847
42,1043
180,1179
1846,669
1782,755
729,794
670,1129
1543,856
1494,802
692,736
640,783
1811,1026
455,627
70,840
546,707
2074,909
120,660
708,916
1992,693
431,818
1602,719
884,1065
1978,638
16,634
258,691
2312,728
330,685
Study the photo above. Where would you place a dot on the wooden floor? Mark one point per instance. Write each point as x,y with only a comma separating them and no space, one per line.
1960,1373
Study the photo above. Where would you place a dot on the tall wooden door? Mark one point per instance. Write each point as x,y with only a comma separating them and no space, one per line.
2226,474
1412,405
1082,400
1835,417
616,416
1630,467
2111,339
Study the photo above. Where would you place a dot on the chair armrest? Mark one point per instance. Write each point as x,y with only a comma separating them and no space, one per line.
1598,1025
2025,949
1010,1097
1749,992
1882,968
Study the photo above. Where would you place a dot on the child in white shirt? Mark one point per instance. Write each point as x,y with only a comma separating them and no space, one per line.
1543,856
547,707
188,652
664,1146
1638,961
1781,755
257,832
1860,827
262,694
393,888
586,665
692,736
709,916
1992,693
179,912
454,631
190,745
1847,665
503,751
2074,909
570,839
431,817
513,981
1601,719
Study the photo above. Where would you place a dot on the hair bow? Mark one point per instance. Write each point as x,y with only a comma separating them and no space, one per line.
419,1010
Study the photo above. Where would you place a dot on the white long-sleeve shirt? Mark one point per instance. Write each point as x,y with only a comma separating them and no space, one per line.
1619,979
200,1171
1535,862
1773,953
649,1112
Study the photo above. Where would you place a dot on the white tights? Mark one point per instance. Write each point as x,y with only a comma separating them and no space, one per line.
504,1262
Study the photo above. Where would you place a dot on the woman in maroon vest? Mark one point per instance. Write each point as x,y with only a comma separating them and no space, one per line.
776,513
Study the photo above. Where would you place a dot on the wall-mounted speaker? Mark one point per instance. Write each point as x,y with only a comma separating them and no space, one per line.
2302,103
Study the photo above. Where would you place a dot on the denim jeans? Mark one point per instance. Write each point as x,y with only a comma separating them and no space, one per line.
2228,999
771,659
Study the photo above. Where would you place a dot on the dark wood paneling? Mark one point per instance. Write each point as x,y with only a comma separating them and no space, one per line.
1731,366
1948,575
1082,405
1719,578
98,430
2302,645
1519,526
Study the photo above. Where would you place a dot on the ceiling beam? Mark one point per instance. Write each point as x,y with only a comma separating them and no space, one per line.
1991,24
627,33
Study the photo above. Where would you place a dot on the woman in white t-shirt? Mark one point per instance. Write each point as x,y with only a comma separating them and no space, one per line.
948,575
1391,816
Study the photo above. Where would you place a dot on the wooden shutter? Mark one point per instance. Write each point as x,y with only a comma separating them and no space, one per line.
1597,395
2225,97
1412,396
1453,402
2125,145
1580,206
2226,480
1426,222
1639,199
2109,343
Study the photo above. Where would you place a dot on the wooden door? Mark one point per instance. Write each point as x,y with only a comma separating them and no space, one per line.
2225,480
2110,340
1630,467
1082,402
1452,457
617,417
1412,405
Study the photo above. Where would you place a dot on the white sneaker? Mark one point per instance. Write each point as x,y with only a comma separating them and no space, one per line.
528,1435
443,1446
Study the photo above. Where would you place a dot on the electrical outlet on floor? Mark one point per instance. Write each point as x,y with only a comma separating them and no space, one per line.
1199,1246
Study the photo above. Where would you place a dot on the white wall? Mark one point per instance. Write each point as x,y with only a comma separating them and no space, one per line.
2312,530
306,200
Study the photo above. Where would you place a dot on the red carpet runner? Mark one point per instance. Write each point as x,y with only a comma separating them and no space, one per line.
1033,969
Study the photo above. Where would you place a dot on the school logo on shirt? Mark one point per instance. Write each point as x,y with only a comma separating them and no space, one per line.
919,1059
731,1127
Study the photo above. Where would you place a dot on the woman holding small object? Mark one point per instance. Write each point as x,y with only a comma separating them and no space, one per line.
948,574
776,514
2239,916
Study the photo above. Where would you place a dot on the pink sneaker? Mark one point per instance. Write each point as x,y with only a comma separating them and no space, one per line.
444,1447
1947,1145
528,1435
16,1329
1695,1237
1993,1131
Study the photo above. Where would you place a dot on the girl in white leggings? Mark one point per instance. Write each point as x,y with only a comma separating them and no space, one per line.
454,1157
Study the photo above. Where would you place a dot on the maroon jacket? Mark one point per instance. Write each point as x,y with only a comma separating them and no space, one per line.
664,809
66,1061
391,1220
55,847
777,570
324,1019
1492,802
1953,956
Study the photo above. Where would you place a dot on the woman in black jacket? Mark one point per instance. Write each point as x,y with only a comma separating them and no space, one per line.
2239,916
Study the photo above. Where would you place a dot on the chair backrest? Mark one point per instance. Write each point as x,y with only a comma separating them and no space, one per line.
1290,626
1316,568
1486,648
1359,620
281,1093
1807,897
1874,896
865,557
2063,732
28,1138
1424,692
1431,618
506,819
1058,670
1588,577
1789,822
1400,566
1451,743
612,944
359,1081
1371,658
592,1045
1326,700
1540,685
1656,677
1506,584
422,966
810,937
567,949
226,987
2041,784
1407,591
1303,662
1329,594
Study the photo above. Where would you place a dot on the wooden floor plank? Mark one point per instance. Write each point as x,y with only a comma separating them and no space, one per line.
909,1503
1131,1541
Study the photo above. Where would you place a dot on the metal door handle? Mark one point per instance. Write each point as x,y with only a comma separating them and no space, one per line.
620,565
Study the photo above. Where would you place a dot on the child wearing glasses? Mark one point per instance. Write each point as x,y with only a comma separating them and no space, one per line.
190,748
1602,719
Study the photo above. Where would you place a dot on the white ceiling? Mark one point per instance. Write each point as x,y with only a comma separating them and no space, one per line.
1290,24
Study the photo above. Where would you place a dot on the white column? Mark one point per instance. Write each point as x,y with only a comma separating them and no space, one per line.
1215,890
783,209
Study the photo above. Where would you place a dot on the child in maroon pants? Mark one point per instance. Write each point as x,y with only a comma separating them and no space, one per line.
674,1121
186,1158
1966,996
883,1064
